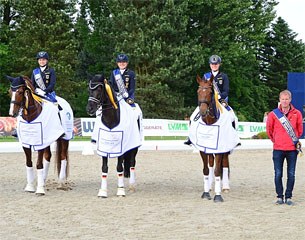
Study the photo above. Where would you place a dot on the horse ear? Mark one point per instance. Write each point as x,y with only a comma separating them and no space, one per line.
89,76
10,78
198,79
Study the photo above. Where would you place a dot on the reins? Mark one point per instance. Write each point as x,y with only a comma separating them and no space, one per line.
105,106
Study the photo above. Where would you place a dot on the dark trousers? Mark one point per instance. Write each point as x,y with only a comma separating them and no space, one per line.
278,161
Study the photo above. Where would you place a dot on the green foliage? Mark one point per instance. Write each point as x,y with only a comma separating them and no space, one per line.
168,42
281,54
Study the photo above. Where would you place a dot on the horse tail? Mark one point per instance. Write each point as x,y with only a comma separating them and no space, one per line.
62,153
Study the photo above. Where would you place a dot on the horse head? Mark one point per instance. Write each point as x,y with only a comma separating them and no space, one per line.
17,92
100,95
22,97
206,100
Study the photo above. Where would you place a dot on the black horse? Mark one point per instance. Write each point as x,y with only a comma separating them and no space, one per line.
104,103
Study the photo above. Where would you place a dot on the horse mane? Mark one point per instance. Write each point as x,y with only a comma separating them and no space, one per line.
28,83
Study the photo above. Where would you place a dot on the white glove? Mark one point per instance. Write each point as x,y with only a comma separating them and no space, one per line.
40,92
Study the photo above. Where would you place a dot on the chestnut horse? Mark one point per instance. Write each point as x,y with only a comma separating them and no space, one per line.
27,106
210,112
104,103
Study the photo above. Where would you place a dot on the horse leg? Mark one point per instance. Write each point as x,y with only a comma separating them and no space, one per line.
103,190
40,180
211,170
120,174
225,173
46,162
206,187
29,171
218,197
129,167
62,161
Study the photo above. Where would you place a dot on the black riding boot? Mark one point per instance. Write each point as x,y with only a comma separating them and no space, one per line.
188,141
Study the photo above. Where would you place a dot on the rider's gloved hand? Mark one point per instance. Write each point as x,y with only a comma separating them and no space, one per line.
130,101
40,92
223,102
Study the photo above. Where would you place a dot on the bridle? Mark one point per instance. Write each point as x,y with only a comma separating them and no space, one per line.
209,112
105,106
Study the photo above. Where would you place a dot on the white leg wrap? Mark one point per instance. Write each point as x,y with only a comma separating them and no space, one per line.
211,177
217,185
104,181
40,182
46,165
132,179
120,179
225,178
63,167
206,185
30,180
103,190
30,175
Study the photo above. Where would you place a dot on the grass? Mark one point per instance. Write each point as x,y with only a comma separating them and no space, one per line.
79,138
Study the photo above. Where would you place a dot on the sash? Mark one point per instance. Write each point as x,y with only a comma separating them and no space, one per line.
216,89
38,79
289,129
120,83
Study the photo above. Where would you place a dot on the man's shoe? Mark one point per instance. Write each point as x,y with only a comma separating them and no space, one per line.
188,142
279,201
289,202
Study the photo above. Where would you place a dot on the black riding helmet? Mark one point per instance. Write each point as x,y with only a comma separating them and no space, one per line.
214,59
122,58
42,54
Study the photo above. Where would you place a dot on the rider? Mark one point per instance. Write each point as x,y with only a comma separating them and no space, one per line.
44,77
220,82
123,80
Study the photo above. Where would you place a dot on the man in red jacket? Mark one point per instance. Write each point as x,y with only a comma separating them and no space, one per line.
284,128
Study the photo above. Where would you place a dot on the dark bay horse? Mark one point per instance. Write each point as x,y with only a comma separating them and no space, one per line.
28,106
209,110
103,98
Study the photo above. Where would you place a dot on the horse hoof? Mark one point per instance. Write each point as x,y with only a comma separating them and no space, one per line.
29,188
226,190
102,193
132,188
40,191
206,195
120,192
60,186
218,198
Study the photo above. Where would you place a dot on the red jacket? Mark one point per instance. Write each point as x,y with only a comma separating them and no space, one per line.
277,133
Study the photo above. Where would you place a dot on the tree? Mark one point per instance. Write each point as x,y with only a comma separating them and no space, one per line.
281,54
235,30
48,25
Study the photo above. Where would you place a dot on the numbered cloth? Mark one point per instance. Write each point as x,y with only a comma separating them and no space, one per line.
47,127
219,137
122,138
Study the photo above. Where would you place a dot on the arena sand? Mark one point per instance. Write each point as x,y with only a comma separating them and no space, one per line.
166,204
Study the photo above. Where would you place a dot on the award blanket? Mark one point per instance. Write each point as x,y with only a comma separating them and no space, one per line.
124,137
67,118
219,137
43,131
